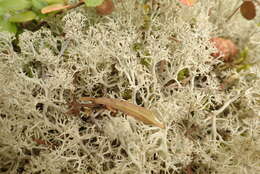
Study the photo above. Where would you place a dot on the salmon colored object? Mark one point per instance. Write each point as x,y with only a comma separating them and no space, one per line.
188,2
226,49
53,7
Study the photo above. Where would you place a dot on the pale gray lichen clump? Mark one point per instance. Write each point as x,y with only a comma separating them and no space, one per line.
130,55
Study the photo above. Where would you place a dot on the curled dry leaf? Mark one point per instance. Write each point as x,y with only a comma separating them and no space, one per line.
60,6
52,8
105,8
248,10
226,49
138,112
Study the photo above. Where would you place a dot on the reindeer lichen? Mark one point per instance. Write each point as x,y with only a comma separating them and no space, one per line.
156,55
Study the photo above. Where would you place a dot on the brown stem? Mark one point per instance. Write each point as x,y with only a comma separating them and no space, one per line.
76,5
233,13
69,6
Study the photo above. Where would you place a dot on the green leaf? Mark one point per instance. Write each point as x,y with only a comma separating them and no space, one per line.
2,11
14,5
23,17
243,55
137,46
243,67
93,3
54,1
39,4
182,74
52,8
40,15
6,25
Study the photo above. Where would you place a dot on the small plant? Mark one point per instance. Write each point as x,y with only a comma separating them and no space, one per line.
15,13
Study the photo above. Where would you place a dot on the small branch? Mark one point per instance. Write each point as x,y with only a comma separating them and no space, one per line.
76,5
57,7
233,13
226,105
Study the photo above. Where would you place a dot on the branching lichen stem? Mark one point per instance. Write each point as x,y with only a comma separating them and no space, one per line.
214,125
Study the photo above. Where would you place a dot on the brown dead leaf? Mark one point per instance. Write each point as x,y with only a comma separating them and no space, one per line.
248,10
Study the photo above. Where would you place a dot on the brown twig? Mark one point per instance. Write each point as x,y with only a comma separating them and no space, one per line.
76,5
75,107
44,142
50,9
233,13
